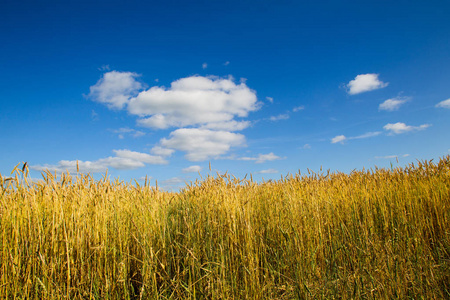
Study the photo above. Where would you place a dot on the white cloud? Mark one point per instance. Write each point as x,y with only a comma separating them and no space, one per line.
124,160
393,104
114,89
444,104
365,135
192,169
364,83
338,139
226,63
193,101
228,126
158,150
261,158
298,108
342,138
279,117
399,128
201,144
125,130
268,171
270,99
306,146
204,66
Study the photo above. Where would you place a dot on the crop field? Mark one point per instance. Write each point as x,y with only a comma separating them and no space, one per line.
371,234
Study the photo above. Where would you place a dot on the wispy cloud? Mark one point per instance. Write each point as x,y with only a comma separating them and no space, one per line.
364,83
204,66
342,138
192,169
393,104
298,108
391,156
279,117
444,104
399,128
226,63
270,99
268,171
261,158
122,132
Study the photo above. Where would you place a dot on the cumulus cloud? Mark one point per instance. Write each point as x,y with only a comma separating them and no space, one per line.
399,128
279,117
364,83
201,144
444,104
192,169
124,160
261,158
268,171
193,101
114,89
342,138
393,104
206,111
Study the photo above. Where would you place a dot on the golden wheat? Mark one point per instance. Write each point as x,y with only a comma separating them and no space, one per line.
377,234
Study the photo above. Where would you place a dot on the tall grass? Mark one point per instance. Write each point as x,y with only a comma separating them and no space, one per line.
377,234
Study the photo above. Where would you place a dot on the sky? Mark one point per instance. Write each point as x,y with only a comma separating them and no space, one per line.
177,90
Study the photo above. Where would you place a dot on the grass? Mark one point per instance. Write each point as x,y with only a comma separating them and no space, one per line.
377,234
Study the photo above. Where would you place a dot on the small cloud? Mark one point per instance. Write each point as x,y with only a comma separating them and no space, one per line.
156,80
268,171
104,68
364,83
399,128
342,138
279,117
298,108
226,63
306,146
261,158
192,169
173,183
270,99
444,104
115,89
122,132
391,156
94,116
393,104
204,66
338,139
365,135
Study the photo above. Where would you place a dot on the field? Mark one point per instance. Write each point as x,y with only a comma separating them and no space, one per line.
373,234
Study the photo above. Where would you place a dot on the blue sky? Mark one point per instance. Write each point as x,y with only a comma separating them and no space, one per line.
162,88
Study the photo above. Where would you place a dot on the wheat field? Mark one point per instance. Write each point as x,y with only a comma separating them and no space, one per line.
371,234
